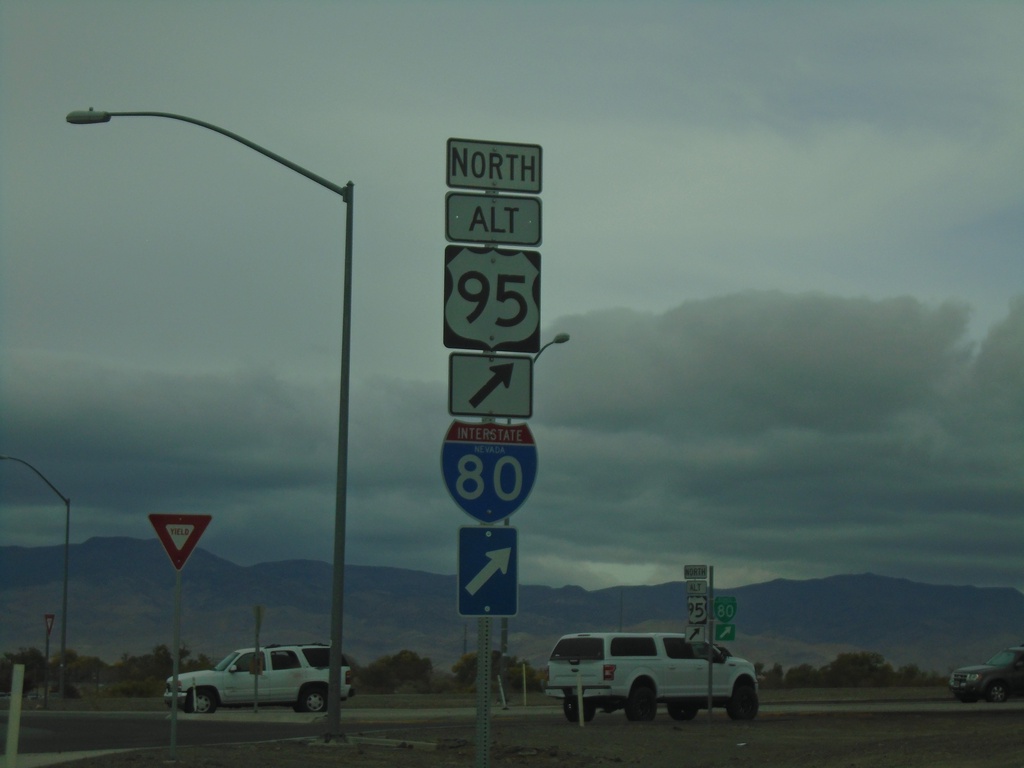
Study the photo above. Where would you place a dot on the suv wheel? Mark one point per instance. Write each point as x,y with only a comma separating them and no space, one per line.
641,704
996,692
744,704
312,698
201,701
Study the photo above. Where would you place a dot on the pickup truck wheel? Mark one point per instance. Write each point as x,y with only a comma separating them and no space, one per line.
570,708
641,704
744,704
996,692
312,698
201,701
681,712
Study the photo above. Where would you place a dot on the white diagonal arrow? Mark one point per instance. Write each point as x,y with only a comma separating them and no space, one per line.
497,561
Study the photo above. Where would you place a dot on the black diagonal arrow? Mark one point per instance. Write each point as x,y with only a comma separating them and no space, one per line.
502,376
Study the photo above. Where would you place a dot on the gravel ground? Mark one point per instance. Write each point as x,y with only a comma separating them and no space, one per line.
978,735
992,739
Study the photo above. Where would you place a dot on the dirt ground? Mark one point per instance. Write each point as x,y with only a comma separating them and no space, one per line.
875,741
983,735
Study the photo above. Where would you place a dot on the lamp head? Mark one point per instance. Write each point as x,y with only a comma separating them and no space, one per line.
560,338
87,118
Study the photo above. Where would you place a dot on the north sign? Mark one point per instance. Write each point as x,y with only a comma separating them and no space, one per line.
494,166
491,299
490,385
489,469
488,580
491,219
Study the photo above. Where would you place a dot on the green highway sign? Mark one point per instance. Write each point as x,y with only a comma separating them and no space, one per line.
725,633
725,609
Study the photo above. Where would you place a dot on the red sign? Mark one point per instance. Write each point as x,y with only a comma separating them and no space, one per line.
48,618
179,534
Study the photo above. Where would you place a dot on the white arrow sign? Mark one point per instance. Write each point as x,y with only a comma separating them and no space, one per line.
497,561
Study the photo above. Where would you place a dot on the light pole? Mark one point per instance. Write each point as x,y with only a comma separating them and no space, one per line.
64,597
560,338
338,581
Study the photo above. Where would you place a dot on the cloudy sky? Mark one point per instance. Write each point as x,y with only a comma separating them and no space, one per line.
785,238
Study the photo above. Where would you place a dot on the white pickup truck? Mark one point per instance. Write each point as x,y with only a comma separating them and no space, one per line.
295,675
637,671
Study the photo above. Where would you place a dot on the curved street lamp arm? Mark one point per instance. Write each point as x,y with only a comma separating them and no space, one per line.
92,116
42,477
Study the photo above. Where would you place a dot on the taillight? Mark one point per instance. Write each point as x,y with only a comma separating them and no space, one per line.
608,673
348,677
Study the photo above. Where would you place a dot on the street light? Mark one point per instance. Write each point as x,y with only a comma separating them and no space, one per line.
338,582
67,541
560,338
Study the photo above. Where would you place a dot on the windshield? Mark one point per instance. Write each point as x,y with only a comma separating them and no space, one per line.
1001,659
224,663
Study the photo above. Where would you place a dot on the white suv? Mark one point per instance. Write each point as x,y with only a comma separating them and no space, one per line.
288,674
636,671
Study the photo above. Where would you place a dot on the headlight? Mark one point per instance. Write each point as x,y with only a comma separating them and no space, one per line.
974,676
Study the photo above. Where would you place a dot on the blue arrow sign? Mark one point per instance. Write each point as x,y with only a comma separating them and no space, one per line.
489,469
488,571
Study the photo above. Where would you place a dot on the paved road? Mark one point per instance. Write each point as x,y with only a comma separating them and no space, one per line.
51,737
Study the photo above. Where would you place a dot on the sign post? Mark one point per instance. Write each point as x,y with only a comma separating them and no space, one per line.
491,304
48,620
179,535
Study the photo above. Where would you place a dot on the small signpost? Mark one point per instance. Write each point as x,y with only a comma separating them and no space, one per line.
700,593
179,535
48,620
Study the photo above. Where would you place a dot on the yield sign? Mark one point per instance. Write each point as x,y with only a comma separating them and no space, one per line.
179,534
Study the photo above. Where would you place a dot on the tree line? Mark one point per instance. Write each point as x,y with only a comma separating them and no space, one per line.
862,669
408,672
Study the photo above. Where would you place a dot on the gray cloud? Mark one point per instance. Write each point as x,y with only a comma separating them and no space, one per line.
784,241
772,434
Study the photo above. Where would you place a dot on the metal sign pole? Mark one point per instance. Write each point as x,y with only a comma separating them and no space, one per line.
176,656
711,637
483,692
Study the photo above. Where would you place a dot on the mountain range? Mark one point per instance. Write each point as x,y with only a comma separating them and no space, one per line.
121,601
